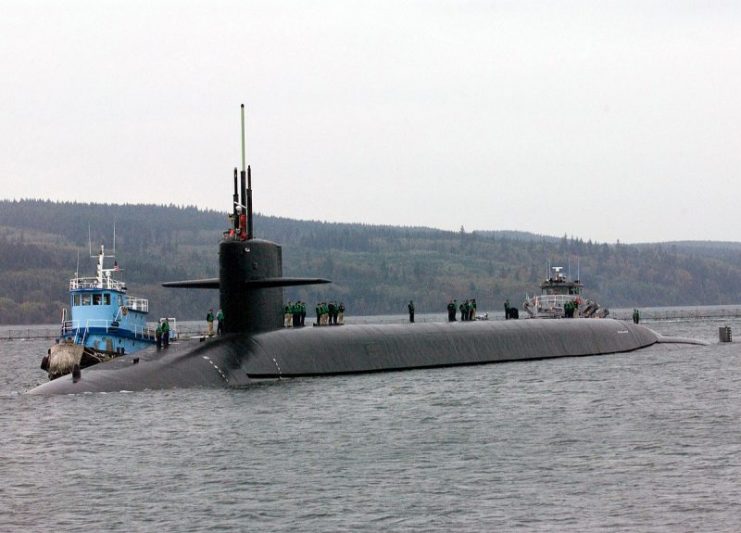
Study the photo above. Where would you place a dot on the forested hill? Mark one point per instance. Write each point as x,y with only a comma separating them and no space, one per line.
375,269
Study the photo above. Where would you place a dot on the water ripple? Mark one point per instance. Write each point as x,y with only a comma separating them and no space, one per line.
646,441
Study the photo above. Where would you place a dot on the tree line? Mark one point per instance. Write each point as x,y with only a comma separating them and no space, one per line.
375,269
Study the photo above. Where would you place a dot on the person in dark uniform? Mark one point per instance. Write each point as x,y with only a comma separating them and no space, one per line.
411,311
220,326
166,333
296,314
451,311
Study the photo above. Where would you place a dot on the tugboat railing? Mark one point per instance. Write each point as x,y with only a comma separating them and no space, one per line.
95,283
80,332
554,306
552,301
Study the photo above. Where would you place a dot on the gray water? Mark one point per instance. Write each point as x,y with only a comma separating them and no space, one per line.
644,441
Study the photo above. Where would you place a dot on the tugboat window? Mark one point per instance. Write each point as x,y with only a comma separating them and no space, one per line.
86,300
107,299
76,299
96,299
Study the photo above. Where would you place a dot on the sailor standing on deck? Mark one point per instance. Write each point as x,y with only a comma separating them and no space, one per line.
165,333
210,322
220,318
296,314
411,311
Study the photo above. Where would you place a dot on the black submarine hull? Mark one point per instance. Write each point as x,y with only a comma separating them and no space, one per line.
237,360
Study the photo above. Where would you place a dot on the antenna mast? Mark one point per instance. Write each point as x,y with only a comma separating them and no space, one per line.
243,157
246,194
242,199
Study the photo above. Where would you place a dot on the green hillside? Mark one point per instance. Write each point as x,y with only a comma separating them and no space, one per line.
375,269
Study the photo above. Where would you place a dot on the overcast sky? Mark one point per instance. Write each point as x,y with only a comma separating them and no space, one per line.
602,120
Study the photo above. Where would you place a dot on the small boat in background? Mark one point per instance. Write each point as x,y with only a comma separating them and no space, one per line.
561,297
104,323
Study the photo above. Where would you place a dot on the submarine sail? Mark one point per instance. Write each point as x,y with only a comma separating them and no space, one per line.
250,278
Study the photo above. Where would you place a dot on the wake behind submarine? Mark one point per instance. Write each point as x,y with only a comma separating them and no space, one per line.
255,346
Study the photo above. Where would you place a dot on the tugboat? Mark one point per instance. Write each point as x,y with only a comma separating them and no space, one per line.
104,323
560,297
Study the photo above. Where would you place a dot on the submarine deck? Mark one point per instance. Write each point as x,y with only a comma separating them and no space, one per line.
238,360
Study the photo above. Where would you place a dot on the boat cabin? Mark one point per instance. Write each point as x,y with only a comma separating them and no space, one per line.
560,285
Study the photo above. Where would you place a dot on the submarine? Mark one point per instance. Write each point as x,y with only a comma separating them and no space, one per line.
255,346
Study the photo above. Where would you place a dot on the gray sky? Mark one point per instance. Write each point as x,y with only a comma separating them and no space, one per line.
603,120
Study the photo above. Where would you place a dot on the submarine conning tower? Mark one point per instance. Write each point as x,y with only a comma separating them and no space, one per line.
250,278
243,267
246,265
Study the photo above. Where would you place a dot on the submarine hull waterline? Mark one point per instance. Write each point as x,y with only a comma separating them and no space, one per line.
237,360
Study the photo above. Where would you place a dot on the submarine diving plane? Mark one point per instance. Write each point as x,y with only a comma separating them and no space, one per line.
255,345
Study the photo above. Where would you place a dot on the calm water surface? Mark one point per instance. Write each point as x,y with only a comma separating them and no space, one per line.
645,441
